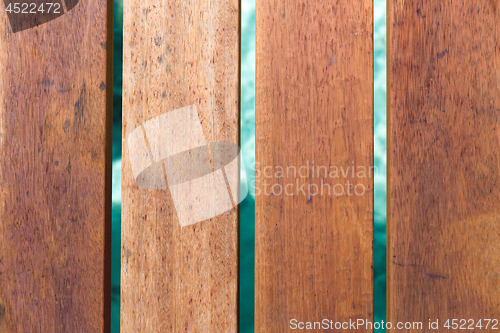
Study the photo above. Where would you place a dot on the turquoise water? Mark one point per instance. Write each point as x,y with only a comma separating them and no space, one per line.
117,159
380,95
247,211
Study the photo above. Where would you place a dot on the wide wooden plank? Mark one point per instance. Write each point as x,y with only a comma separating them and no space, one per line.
177,55
55,168
444,162
314,111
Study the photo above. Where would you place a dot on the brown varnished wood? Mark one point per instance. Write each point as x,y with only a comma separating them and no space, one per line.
55,158
444,161
314,104
178,53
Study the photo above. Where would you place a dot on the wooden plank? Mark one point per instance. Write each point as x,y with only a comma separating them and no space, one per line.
178,53
314,106
55,170
444,161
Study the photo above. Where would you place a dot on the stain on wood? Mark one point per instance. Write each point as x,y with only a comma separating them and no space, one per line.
314,109
2,314
444,161
55,168
178,279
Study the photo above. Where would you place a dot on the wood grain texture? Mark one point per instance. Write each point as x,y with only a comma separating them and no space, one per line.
178,53
55,172
314,106
444,161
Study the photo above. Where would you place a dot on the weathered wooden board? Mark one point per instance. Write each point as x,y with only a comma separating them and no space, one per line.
444,161
178,53
55,159
314,106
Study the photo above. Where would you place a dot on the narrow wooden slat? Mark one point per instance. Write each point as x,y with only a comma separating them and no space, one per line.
178,53
444,161
55,171
314,106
